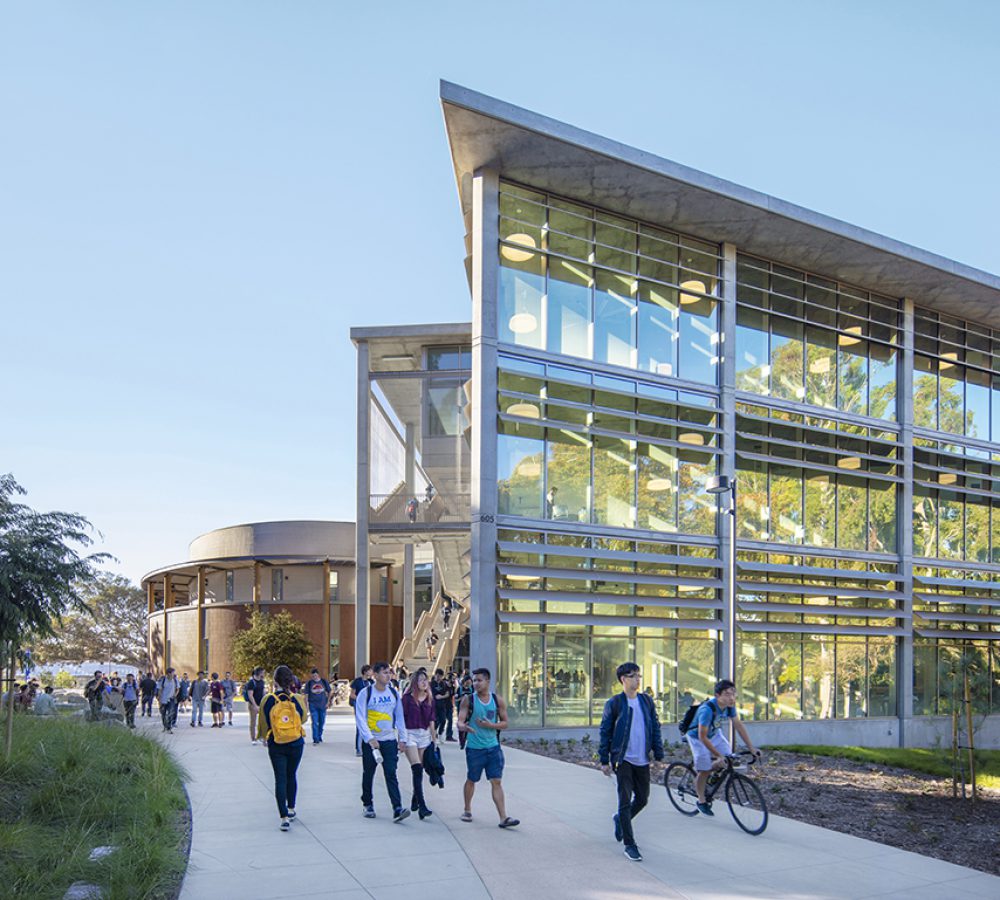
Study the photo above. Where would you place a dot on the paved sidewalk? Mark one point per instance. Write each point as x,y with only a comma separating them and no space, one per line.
563,848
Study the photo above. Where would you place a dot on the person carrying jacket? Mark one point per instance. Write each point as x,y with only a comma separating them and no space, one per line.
630,731
199,691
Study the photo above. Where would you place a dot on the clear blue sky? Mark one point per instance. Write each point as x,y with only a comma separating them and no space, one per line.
198,200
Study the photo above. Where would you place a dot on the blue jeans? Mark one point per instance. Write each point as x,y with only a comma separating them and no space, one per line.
197,710
317,715
285,759
390,757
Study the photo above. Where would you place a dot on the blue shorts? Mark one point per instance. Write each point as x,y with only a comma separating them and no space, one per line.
490,760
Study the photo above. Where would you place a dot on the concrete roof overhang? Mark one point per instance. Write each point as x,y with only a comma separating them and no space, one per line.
190,568
549,155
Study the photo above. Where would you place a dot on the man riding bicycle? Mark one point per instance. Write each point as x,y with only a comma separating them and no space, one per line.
709,746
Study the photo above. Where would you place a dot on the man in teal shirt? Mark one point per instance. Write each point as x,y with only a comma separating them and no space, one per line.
481,717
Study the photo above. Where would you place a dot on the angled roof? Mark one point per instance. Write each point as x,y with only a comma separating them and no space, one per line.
549,155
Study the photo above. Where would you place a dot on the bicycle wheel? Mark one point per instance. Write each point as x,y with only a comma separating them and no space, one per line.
679,782
746,803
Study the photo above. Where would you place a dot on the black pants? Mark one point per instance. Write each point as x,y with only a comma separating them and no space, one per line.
130,713
168,713
633,793
147,705
390,759
285,759
443,712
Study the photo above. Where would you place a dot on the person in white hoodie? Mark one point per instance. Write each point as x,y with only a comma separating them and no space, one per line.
379,716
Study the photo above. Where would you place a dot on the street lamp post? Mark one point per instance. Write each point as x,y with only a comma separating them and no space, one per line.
724,484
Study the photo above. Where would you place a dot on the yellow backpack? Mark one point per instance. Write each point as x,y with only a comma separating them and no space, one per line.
286,720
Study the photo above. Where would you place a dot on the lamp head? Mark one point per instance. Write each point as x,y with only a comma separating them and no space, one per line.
719,484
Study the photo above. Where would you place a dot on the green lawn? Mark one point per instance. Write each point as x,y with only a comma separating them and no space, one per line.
930,762
72,786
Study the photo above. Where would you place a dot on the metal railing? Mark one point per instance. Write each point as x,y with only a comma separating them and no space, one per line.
400,508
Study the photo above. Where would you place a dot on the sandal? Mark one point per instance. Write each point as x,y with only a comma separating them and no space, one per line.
509,822
466,817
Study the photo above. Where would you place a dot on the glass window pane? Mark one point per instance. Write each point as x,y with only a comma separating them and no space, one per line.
995,404
657,657
696,507
520,316
852,514
609,654
614,320
567,668
951,403
657,487
614,482
950,531
786,359
925,532
924,678
821,368
882,677
924,392
977,529
852,368
752,681
695,668
786,505
852,656
567,476
751,351
698,360
519,475
568,306
817,678
520,675
751,498
977,404
658,324
785,677
821,511
882,381
882,502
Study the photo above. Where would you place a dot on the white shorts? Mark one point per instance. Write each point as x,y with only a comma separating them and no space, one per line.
418,737
702,755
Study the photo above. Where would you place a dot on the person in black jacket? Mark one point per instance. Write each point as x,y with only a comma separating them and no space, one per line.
630,731
147,690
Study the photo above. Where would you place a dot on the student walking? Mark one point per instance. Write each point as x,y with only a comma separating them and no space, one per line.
199,691
280,725
253,693
357,686
444,703
379,717
630,731
217,692
147,690
93,692
166,695
130,694
318,692
483,716
227,701
418,716
183,692
465,689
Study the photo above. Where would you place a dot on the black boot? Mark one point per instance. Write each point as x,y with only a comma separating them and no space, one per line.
418,790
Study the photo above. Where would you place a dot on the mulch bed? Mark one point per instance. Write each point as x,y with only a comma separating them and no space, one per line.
898,807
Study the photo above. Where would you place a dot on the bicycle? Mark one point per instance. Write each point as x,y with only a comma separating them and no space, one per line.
745,801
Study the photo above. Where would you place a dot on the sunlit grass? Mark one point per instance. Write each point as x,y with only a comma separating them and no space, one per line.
71,786
929,762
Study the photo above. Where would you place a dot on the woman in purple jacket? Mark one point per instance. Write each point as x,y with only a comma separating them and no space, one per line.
418,714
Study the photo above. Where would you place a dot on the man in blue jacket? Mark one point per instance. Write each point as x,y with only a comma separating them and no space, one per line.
630,731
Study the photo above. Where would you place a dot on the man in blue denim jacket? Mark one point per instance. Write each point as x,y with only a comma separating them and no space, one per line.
630,731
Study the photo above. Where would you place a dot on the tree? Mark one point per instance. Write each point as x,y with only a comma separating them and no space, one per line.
271,640
112,631
42,575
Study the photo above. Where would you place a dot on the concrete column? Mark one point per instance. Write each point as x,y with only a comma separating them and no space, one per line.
325,594
168,602
361,554
904,527
409,460
726,348
485,278
256,585
201,655
409,591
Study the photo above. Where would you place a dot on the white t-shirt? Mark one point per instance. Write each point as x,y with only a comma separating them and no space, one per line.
636,753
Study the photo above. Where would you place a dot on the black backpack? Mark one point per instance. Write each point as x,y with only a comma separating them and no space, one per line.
685,725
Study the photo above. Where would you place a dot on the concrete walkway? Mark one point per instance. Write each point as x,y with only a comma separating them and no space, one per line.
563,848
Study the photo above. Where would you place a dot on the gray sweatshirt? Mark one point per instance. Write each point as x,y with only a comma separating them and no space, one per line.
199,690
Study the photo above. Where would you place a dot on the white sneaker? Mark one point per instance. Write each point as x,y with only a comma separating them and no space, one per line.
255,742
285,825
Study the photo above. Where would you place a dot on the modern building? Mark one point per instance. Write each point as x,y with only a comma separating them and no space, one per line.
306,568
639,328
